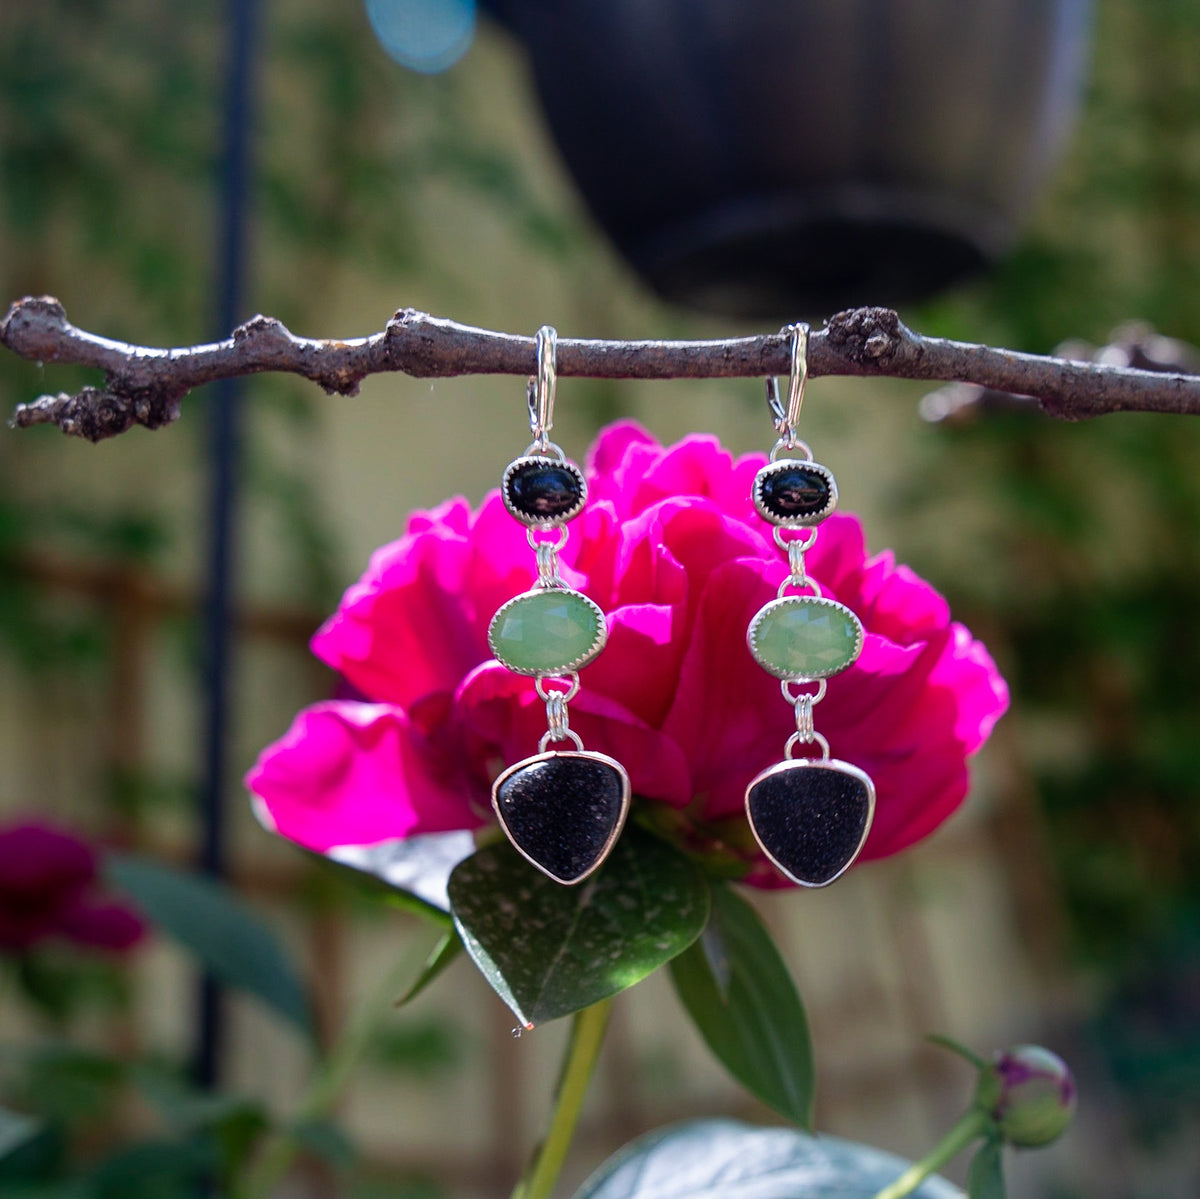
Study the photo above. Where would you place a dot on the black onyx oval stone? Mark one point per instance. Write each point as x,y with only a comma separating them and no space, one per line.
795,493
811,818
563,810
544,490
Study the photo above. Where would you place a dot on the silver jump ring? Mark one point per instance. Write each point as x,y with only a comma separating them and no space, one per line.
794,698
546,449
795,739
794,449
564,735
805,541
541,394
572,681
536,543
807,581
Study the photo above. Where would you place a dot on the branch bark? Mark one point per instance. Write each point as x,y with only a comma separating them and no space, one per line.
144,385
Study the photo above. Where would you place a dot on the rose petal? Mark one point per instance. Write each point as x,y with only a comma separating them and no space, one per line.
352,774
102,925
503,709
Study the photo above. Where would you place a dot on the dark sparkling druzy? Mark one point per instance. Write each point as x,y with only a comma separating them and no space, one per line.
811,819
561,812
795,491
545,490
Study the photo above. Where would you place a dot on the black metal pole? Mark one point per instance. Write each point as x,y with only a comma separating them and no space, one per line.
223,431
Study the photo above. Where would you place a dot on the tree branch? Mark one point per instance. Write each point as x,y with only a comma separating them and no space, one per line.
144,386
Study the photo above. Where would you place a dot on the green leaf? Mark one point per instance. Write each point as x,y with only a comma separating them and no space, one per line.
420,1050
737,989
325,1141
233,1124
725,1159
550,950
154,1170
958,1047
16,1130
443,953
413,872
67,1084
223,932
985,1179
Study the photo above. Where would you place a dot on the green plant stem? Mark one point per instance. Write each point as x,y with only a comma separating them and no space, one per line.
332,1074
587,1035
972,1126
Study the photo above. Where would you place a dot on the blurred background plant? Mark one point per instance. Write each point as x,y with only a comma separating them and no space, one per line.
1073,550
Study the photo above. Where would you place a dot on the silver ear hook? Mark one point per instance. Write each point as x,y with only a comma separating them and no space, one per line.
540,392
786,420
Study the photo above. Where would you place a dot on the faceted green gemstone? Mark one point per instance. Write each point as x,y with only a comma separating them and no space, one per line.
549,631
805,637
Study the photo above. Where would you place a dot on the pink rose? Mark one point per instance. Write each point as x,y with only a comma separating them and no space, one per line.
49,890
671,548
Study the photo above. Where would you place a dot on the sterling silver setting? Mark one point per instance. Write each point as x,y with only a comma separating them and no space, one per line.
601,638
559,462
551,755
800,764
807,601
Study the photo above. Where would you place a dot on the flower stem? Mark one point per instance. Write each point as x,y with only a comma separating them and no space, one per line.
969,1128
587,1034
332,1075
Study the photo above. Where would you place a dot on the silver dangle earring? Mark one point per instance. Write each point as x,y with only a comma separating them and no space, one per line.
810,816
562,809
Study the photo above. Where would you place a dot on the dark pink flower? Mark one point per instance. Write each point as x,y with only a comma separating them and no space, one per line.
671,548
49,889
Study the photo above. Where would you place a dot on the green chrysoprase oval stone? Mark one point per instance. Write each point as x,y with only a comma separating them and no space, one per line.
804,637
551,631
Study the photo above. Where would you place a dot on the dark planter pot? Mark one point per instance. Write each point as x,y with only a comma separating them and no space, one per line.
781,158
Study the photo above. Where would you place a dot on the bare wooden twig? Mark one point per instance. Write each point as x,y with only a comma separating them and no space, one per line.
144,385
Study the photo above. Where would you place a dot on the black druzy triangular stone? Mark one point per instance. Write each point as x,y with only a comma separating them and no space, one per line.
811,818
563,810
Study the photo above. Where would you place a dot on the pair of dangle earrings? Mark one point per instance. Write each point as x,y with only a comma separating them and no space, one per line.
562,809
810,816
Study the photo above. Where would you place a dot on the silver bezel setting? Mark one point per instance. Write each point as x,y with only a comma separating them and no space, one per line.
592,756
542,522
808,601
810,764
583,659
793,522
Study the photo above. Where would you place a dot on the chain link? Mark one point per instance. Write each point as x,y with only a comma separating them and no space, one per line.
547,565
558,719
796,548
804,719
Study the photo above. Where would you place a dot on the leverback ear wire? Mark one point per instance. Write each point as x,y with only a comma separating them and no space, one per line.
787,420
540,392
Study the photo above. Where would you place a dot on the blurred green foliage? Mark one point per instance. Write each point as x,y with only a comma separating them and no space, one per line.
1088,558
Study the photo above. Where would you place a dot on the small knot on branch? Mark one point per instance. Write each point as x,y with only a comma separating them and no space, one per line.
30,325
95,414
264,331
872,338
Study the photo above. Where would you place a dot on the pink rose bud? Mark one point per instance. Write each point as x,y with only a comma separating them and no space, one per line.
1030,1093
